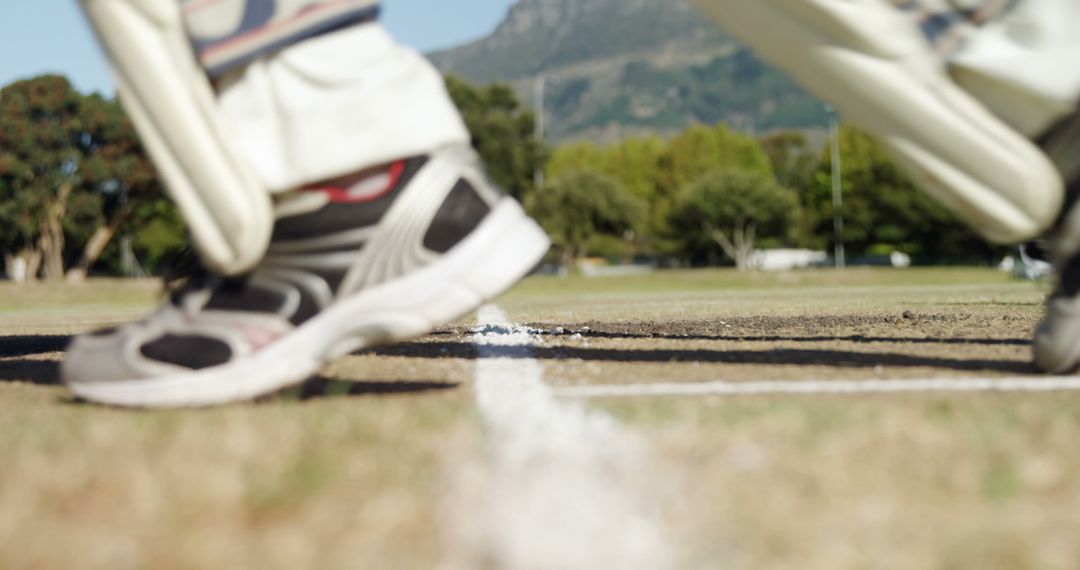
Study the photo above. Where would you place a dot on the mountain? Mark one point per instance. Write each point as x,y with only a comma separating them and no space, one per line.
613,68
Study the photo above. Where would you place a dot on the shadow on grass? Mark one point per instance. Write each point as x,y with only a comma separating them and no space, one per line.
325,388
28,370
41,372
29,345
777,357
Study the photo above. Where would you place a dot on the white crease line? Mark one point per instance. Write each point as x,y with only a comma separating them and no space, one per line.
566,488
825,387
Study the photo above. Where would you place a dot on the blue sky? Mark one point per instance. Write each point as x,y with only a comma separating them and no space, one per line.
50,36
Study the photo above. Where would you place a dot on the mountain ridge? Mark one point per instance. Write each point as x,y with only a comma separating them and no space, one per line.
615,68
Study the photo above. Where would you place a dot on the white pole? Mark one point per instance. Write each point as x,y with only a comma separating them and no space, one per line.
838,195
538,102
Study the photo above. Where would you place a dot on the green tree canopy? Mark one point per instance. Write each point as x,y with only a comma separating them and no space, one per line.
119,180
884,210
633,162
42,142
653,170
700,150
503,132
792,159
72,172
581,205
728,211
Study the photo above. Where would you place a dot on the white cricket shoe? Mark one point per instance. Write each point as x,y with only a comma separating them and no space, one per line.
378,257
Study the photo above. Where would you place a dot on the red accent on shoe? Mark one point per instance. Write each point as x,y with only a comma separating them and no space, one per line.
343,195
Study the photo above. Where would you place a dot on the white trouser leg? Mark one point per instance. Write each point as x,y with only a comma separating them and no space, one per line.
1025,67
337,104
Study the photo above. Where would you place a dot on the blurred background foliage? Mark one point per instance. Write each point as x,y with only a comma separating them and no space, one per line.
78,195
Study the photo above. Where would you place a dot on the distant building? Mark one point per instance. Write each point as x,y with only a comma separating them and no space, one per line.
787,259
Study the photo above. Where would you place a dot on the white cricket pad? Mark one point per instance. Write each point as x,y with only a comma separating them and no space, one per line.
172,104
1025,66
873,63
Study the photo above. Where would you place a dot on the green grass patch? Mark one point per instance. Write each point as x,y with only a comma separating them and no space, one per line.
694,280
36,297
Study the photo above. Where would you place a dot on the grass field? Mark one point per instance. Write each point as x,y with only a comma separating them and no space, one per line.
398,459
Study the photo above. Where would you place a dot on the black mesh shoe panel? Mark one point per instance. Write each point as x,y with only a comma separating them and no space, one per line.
246,298
194,352
333,277
459,215
334,218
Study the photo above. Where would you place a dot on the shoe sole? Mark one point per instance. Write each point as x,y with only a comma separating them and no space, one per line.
874,65
502,250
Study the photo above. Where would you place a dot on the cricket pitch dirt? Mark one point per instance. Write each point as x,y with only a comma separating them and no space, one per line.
385,461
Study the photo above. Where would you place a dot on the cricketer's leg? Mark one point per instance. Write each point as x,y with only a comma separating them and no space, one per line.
381,222
977,97
1057,339
871,59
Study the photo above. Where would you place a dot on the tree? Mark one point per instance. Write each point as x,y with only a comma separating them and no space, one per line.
72,173
700,150
116,175
654,171
17,223
581,205
633,162
795,165
42,137
791,158
732,209
576,156
884,210
503,133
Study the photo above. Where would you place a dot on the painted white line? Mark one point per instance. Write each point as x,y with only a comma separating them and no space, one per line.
825,387
566,488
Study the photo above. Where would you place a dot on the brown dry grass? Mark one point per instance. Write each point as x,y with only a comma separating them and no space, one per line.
343,482
935,482
361,474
